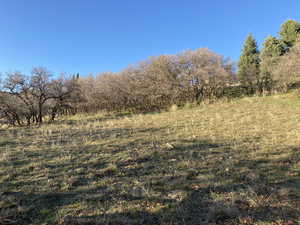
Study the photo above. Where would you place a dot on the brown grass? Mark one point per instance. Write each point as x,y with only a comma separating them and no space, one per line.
226,163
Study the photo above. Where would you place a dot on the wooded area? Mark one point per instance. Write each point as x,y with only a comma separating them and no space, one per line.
156,83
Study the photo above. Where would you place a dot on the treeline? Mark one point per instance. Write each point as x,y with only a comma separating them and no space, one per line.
194,76
277,66
159,82
156,83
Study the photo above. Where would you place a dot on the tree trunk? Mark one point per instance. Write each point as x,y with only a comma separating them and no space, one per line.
40,115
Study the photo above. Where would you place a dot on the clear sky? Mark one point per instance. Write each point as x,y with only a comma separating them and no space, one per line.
107,35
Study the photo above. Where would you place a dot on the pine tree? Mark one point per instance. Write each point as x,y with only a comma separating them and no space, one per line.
289,32
248,65
272,50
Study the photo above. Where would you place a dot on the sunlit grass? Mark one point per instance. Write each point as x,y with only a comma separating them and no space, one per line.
233,162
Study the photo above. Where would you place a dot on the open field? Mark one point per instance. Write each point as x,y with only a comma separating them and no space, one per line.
234,162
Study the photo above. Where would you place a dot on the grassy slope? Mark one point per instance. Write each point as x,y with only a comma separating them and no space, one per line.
225,163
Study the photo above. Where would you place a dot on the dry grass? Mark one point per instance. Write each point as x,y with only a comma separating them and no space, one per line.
225,163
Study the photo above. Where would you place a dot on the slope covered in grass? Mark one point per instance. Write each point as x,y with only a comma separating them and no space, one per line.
226,163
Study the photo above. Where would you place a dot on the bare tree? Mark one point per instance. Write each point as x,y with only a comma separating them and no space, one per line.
18,85
287,70
159,82
31,98
205,72
64,94
40,89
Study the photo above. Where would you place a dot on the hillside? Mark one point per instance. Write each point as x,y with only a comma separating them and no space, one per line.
234,162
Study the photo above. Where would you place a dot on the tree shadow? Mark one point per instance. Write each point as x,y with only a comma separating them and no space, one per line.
196,181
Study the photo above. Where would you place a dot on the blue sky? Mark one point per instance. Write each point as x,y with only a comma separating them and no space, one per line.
92,36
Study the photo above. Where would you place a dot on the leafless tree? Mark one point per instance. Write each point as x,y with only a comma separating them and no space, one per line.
205,72
159,82
31,98
64,95
287,70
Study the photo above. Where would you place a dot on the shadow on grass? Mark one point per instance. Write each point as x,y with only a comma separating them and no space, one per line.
197,182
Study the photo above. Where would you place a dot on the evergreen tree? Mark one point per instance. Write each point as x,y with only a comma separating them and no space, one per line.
272,49
290,32
248,65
